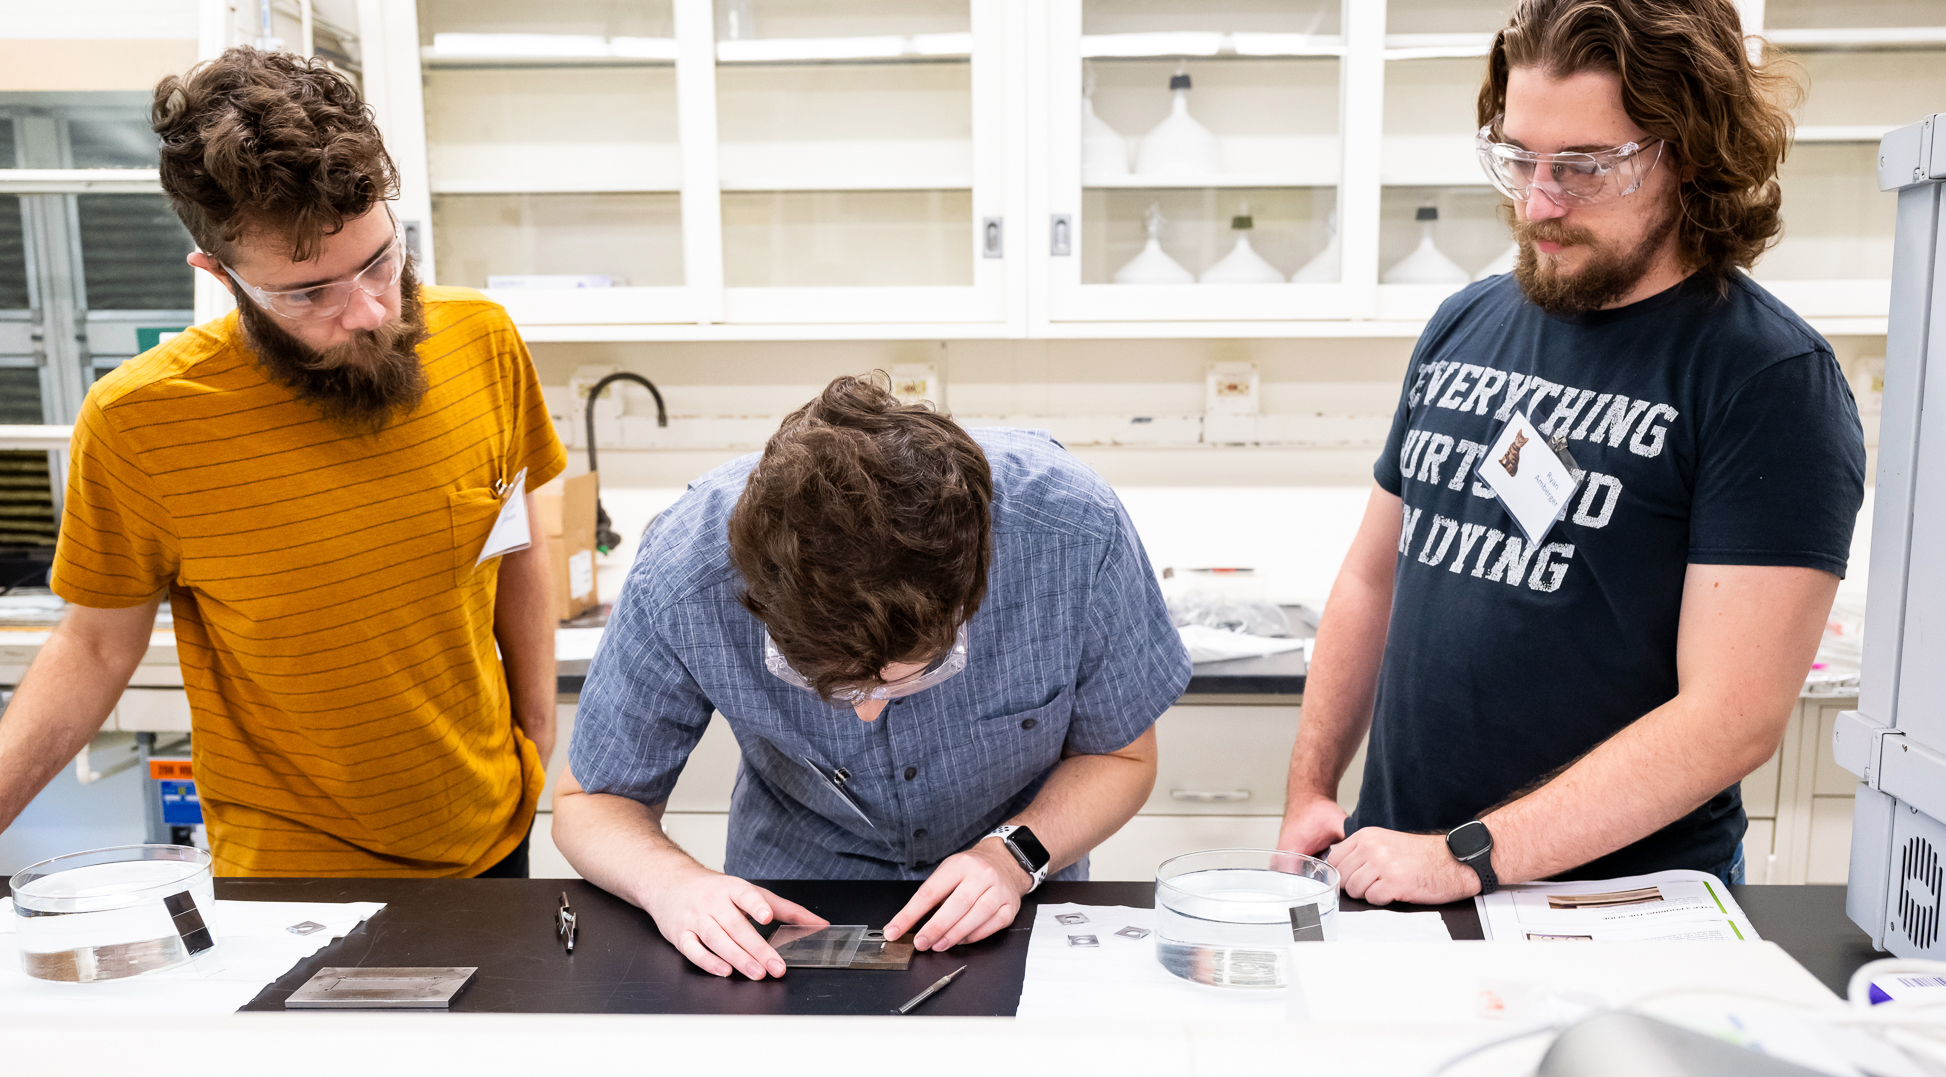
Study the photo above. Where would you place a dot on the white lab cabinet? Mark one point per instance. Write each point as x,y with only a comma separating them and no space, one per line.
855,169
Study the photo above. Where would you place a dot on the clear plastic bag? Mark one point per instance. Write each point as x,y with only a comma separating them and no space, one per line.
1228,612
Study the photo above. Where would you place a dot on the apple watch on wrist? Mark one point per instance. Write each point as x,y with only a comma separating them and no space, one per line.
1472,844
1027,851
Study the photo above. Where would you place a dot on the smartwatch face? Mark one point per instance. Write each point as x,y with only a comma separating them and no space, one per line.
1469,840
1030,847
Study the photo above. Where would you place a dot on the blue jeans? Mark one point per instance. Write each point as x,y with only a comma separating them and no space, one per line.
1732,871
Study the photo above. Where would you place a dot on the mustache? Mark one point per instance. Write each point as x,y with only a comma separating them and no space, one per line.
367,349
1552,231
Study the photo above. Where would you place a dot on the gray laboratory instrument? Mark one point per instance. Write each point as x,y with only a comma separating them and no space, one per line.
1896,740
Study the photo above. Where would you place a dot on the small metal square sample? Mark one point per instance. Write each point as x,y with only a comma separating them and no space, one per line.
306,928
877,952
1083,940
1133,933
381,989
1069,919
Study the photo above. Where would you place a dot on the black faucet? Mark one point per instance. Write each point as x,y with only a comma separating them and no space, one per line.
605,537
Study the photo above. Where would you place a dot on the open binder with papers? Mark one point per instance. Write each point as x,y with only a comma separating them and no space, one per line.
1667,906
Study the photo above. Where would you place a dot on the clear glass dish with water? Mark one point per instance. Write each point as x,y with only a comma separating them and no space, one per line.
106,914
1227,917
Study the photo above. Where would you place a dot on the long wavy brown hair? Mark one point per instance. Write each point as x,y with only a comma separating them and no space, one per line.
1687,79
864,534
271,143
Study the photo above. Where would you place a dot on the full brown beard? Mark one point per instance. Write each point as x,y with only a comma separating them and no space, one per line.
1607,275
360,385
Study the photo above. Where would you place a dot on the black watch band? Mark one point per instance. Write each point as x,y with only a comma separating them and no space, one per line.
1471,843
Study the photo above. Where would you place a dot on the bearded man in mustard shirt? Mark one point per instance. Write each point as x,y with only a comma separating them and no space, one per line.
311,481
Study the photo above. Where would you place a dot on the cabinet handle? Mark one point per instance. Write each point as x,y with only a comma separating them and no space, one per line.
1210,796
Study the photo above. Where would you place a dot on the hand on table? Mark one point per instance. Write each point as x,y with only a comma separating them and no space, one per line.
1312,827
702,912
978,892
1382,866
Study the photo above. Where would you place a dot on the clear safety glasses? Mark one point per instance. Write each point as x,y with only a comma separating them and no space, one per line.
939,670
1578,178
329,300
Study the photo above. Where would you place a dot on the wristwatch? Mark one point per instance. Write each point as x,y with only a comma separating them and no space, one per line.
1027,850
1472,844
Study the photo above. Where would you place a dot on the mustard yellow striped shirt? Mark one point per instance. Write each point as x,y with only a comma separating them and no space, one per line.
350,712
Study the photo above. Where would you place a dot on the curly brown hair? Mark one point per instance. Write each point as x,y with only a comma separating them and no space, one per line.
864,534
269,143
1686,79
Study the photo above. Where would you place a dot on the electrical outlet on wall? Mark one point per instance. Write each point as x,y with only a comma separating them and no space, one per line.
1231,404
914,383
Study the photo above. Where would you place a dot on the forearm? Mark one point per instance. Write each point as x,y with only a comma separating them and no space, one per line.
1340,687
1663,766
616,843
62,700
1342,682
1088,798
523,623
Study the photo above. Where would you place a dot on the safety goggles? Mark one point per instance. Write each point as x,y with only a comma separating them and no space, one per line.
321,301
939,670
1578,178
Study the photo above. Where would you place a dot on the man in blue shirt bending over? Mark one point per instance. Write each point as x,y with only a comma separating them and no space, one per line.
942,653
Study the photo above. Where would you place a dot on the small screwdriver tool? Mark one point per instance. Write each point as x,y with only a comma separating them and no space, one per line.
930,991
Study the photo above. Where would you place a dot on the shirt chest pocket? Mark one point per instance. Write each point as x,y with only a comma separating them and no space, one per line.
473,509
1013,750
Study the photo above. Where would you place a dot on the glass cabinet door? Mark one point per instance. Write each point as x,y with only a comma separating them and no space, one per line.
1441,224
1195,160
1867,66
859,160
554,158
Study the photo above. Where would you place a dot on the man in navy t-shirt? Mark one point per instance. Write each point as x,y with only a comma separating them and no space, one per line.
1580,696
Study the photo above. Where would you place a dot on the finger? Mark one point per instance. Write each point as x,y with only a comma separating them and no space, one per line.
1345,856
751,899
699,955
983,910
998,921
790,912
713,936
1362,881
950,913
746,937
937,886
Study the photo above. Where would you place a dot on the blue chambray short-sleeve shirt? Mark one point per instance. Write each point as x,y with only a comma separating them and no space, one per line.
1072,648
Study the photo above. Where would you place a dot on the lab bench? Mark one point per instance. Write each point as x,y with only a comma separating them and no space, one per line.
621,964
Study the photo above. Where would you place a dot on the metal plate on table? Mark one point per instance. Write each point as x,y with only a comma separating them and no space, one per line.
381,989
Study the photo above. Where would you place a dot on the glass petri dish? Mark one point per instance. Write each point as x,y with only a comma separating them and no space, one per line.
1227,917
105,914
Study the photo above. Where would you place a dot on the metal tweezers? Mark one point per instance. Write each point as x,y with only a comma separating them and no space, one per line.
564,922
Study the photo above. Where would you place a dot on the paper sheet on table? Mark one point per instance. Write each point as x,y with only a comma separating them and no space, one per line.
1119,979
251,940
1666,906
1206,644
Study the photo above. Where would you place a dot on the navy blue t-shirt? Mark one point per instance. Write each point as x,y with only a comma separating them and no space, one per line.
1713,429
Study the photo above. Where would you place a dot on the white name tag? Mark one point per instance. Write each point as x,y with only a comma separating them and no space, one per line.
510,531
1529,477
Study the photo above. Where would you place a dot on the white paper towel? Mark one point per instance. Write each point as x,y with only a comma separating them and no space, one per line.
1119,978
